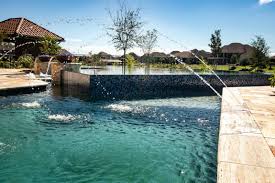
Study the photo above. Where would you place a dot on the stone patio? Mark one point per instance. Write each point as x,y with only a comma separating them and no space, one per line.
14,81
246,152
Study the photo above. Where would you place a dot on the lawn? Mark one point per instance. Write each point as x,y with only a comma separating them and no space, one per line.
203,67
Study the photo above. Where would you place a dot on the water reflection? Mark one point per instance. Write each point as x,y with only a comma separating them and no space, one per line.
145,70
133,70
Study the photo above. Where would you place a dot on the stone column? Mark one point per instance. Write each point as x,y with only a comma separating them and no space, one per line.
56,69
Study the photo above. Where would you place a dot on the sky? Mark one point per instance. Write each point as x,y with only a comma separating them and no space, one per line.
83,23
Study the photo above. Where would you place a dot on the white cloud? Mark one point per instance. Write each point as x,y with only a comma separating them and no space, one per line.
262,2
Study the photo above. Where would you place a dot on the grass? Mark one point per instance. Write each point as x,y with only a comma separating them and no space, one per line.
202,67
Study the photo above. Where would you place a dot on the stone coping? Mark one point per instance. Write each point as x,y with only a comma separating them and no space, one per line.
247,136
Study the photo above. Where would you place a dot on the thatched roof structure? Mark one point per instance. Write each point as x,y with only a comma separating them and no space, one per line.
23,27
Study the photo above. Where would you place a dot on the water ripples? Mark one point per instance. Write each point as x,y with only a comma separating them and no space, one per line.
162,140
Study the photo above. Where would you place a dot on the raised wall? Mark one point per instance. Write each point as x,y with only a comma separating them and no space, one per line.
151,86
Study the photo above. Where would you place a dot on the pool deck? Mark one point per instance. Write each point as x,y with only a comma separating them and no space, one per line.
246,152
15,81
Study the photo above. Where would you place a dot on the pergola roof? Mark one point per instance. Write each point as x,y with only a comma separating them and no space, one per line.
25,27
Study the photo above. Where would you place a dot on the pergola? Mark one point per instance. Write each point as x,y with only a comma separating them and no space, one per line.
22,31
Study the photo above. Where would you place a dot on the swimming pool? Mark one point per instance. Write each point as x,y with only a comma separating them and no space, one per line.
48,137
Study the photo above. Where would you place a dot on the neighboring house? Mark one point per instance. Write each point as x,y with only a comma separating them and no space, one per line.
159,55
185,56
201,53
22,31
238,49
104,55
234,49
135,56
189,57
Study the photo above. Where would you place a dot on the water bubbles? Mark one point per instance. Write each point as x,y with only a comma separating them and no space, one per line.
181,173
119,108
2,147
202,121
34,104
62,118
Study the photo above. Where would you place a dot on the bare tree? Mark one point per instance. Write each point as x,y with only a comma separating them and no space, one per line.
148,41
125,28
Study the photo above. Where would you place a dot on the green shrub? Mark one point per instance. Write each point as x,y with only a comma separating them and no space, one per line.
272,81
25,61
4,64
245,62
130,60
232,68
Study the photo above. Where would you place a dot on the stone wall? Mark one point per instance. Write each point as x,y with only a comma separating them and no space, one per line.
75,79
150,86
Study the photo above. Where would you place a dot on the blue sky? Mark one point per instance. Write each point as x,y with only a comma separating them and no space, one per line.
82,22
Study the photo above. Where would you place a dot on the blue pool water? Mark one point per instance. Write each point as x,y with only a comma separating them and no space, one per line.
52,138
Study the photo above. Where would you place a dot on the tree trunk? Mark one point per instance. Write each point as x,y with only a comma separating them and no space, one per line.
124,62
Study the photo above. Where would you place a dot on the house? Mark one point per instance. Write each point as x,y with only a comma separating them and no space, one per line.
185,56
201,53
104,55
157,57
25,34
135,56
189,57
242,51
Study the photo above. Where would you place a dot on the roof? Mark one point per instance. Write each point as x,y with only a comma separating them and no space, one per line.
184,54
201,53
25,27
64,52
174,52
105,55
159,55
237,48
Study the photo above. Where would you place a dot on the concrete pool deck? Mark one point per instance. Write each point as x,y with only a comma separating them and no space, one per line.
15,81
246,152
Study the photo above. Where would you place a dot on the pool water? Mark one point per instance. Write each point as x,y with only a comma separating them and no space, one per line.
50,138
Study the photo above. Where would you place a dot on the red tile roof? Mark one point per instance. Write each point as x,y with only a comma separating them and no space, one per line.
25,27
